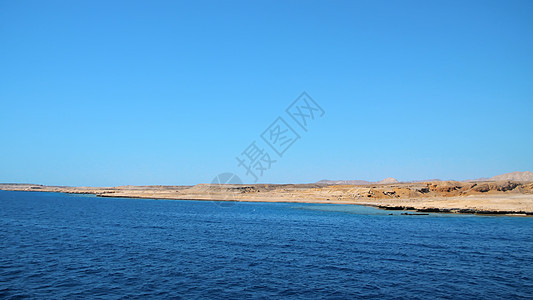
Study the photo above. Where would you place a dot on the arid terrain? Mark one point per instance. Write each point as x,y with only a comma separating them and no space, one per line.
485,196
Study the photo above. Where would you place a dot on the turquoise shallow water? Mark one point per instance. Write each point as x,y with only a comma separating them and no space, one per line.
72,246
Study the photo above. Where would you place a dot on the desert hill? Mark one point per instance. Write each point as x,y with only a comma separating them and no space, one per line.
526,176
514,176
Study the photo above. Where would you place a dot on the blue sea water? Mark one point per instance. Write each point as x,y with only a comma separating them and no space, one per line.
70,246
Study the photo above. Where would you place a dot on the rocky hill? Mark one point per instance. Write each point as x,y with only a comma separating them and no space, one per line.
515,176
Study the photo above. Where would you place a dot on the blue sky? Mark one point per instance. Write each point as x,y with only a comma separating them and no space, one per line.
167,92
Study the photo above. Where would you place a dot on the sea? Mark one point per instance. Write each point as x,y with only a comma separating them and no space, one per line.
65,246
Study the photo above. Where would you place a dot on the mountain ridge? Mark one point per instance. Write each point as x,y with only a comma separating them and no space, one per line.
524,176
387,180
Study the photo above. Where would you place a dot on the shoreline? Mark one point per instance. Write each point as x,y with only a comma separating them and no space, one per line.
406,209
382,207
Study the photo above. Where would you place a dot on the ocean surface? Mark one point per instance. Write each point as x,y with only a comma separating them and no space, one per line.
80,246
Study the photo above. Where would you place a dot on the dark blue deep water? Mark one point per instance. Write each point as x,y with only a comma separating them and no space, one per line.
72,246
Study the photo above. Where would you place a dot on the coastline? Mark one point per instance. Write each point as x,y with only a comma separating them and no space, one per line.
508,198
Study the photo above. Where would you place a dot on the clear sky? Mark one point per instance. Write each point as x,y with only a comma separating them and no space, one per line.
167,92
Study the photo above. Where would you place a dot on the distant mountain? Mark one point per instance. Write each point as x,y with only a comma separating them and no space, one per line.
388,180
348,182
515,176
423,180
478,179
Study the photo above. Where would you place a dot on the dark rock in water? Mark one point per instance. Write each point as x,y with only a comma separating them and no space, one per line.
392,207
411,214
494,212
428,210
396,207
466,211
